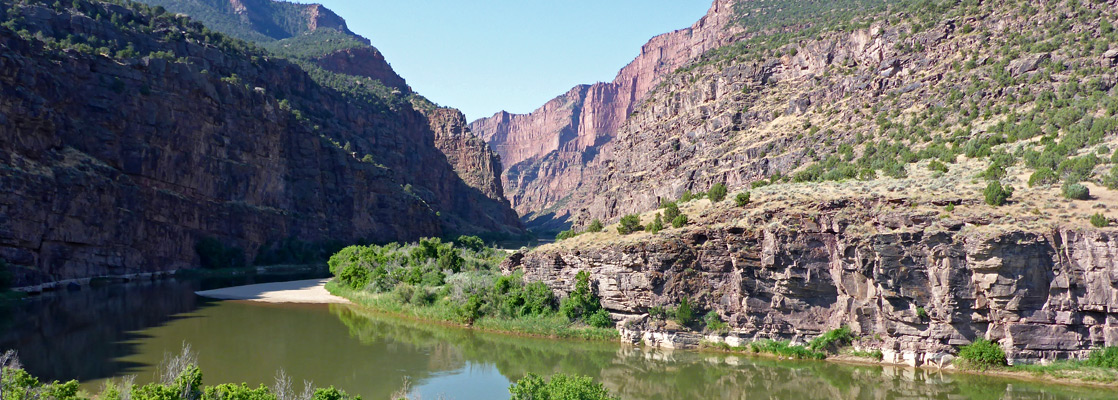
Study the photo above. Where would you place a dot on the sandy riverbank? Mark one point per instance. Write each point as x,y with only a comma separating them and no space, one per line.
306,291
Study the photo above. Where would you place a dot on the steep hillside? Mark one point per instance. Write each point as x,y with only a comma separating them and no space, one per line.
545,152
131,136
927,174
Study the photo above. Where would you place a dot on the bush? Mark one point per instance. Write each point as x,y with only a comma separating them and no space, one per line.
679,221
717,193
1110,180
714,322
657,224
560,387
355,276
671,210
996,194
982,354
832,339
1100,221
937,166
473,243
629,224
600,319
1043,176
684,315
581,303
1103,358
595,226
1076,191
566,234
785,349
213,254
741,199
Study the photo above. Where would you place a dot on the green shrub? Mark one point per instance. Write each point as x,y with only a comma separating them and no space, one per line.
213,254
559,387
671,210
473,243
657,224
355,276
785,349
1103,358
714,322
982,354
595,226
741,199
994,172
937,166
1076,191
1110,180
659,313
832,339
1043,176
581,303
600,319
1100,221
679,221
717,193
684,314
629,224
950,207
567,234
996,194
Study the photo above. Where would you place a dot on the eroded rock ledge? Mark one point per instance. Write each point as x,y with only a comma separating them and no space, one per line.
915,285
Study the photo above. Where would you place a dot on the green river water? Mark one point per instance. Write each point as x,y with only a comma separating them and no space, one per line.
99,334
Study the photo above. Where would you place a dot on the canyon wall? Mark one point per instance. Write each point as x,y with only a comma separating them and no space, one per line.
914,286
545,152
116,166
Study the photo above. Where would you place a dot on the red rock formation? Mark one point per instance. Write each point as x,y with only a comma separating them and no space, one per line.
544,152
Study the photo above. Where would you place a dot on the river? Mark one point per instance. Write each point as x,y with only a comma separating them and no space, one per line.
94,335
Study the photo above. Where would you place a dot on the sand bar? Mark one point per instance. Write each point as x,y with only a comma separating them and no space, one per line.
306,291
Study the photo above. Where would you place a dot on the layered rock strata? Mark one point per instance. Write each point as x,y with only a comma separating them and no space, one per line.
914,286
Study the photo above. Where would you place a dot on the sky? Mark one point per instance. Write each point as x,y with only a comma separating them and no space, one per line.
484,56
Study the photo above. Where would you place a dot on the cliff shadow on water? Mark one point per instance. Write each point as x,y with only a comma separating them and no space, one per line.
92,333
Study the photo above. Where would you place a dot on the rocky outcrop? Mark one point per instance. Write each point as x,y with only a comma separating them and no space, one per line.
544,152
916,291
362,61
114,166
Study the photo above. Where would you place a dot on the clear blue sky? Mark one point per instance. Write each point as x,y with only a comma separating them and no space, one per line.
484,56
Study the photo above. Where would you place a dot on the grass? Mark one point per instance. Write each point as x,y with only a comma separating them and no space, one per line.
1070,370
554,326
786,349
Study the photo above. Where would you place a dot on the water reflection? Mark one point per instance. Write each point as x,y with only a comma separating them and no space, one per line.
638,373
88,334
116,331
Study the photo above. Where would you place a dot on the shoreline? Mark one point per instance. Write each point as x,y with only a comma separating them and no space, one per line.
1025,376
308,291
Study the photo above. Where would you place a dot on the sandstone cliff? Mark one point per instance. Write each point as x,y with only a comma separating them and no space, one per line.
116,164
908,282
545,152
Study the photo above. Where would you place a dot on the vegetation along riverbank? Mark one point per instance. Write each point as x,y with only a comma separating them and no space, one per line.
459,282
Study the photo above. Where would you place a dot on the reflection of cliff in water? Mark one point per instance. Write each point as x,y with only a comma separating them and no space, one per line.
640,373
83,334
80,335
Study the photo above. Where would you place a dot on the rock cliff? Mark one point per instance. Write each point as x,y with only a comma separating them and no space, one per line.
114,163
545,152
909,283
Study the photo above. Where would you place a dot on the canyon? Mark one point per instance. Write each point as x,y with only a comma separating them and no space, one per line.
121,165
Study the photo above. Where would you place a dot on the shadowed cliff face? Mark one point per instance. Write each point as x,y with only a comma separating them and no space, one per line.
120,166
918,284
545,153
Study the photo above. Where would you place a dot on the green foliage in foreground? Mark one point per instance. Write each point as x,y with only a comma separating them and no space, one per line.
1076,191
559,387
832,340
741,199
1105,358
786,349
584,304
982,354
18,384
717,192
